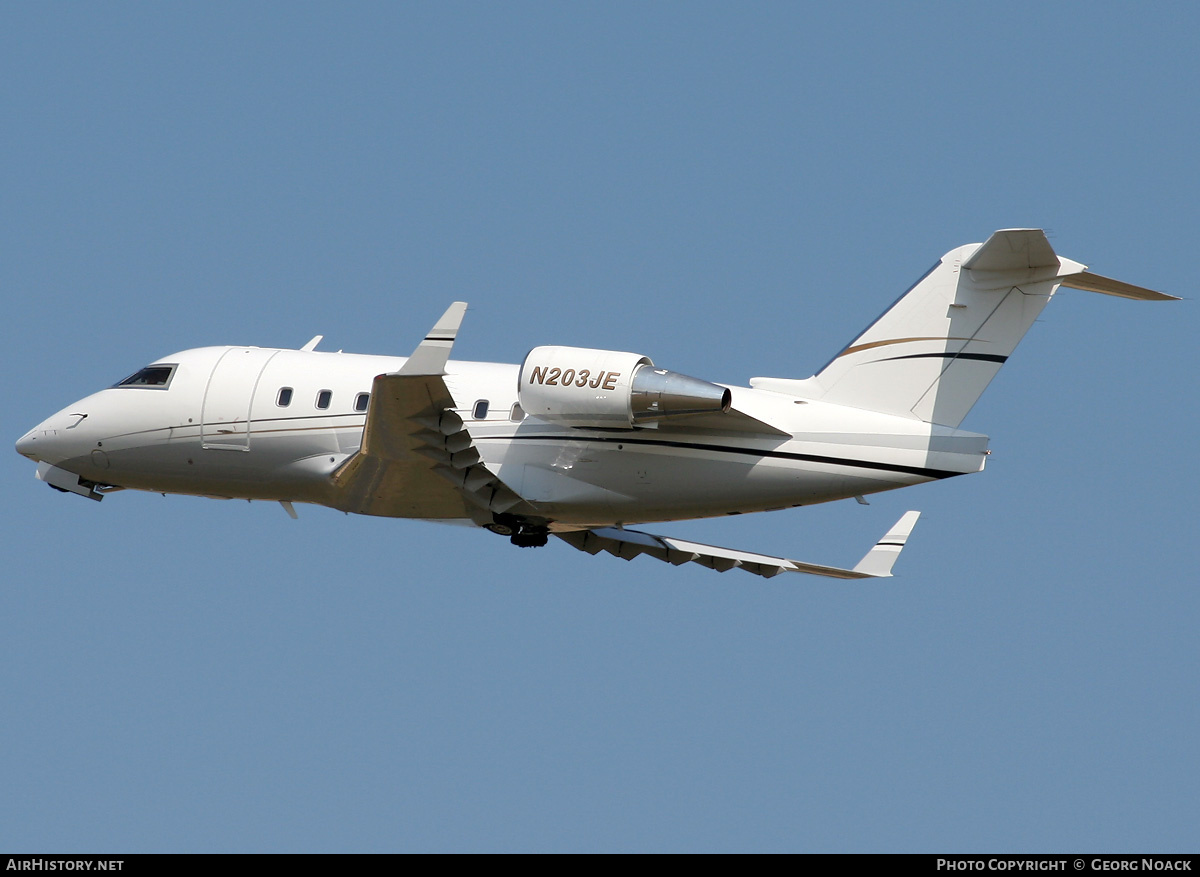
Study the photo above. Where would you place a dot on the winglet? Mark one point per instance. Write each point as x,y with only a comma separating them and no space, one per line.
431,354
879,560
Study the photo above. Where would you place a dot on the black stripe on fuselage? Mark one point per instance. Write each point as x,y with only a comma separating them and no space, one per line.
750,452
666,443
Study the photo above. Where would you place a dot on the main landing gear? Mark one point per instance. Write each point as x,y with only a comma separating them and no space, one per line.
520,531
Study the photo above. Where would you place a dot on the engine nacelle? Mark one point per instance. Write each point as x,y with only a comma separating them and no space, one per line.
607,388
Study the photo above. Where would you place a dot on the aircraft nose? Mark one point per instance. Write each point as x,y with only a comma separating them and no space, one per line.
52,439
40,442
27,445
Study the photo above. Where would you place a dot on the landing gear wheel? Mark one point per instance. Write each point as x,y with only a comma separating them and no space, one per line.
530,538
522,532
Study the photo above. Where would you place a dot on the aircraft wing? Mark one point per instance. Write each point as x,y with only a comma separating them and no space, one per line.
417,460
628,544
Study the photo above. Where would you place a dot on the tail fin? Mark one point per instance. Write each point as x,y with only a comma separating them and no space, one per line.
933,353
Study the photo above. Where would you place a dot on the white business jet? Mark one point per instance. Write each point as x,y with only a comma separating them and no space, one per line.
575,442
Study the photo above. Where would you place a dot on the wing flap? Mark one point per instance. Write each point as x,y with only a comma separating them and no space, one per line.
417,459
628,544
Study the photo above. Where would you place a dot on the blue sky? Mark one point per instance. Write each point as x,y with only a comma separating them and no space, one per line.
731,189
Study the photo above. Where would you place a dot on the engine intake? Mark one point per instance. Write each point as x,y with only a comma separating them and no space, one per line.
608,388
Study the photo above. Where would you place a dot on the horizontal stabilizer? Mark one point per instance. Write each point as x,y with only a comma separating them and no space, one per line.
1089,282
628,544
1013,249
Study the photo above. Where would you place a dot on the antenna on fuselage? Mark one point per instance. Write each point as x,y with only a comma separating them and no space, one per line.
312,345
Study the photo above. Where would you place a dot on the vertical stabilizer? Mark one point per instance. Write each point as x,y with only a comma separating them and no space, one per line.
933,353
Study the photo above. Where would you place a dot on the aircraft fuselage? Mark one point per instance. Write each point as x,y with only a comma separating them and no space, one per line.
272,424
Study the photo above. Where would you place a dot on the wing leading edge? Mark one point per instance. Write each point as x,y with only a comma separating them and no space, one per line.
628,544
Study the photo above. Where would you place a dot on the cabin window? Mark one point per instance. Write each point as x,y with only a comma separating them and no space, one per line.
360,401
284,399
479,412
324,397
517,414
156,377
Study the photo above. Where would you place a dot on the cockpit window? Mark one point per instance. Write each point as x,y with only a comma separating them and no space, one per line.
155,377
